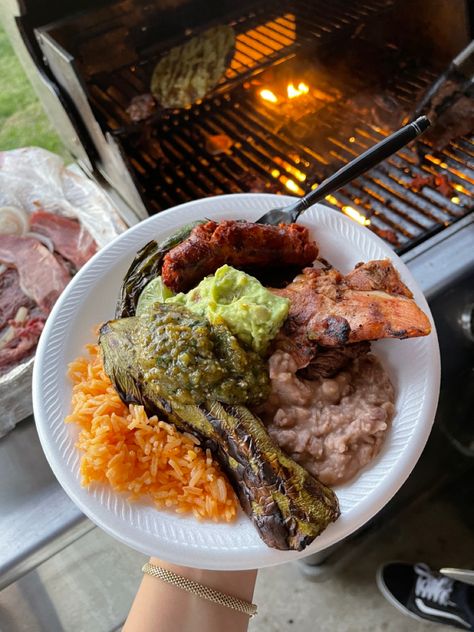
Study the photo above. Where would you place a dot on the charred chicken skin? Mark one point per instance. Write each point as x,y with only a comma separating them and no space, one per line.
239,244
332,310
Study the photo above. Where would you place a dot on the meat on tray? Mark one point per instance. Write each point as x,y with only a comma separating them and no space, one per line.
12,296
70,239
237,243
32,277
20,339
42,275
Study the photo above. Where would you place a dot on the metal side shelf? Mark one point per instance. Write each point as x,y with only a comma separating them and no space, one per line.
37,518
438,262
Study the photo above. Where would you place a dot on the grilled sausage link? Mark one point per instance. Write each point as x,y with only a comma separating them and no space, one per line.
236,243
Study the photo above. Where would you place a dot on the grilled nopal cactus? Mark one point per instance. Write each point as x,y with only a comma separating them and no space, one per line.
287,505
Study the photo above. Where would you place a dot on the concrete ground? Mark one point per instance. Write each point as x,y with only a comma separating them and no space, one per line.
89,586
349,601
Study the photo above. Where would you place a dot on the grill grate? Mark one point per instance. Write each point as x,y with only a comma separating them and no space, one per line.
287,150
267,34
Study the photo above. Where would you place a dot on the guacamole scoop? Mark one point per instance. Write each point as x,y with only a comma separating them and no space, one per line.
239,301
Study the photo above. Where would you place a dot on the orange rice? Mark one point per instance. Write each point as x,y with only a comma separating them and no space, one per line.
141,455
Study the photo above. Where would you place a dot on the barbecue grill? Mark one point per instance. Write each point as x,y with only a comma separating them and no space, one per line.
359,74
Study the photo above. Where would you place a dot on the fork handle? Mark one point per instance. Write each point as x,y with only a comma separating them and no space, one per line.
361,164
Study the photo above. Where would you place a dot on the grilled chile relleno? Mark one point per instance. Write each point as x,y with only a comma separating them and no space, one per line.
287,505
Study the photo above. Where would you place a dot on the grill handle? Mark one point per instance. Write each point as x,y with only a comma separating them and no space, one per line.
361,164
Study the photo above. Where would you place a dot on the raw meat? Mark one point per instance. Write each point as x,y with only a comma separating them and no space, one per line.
11,296
42,276
70,239
24,338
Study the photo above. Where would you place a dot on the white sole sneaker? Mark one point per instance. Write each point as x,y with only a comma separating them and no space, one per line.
391,599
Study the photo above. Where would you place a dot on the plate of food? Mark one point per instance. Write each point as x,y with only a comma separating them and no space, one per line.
228,395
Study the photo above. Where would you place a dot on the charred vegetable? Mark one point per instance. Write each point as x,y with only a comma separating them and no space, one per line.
145,267
287,505
188,72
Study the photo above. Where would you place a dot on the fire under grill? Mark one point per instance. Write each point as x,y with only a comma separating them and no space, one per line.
306,91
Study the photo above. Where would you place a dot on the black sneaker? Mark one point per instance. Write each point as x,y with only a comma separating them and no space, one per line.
426,595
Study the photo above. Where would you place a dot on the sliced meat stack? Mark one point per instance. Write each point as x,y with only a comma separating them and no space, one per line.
32,278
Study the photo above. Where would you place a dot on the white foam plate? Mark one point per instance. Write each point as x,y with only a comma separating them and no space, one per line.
90,298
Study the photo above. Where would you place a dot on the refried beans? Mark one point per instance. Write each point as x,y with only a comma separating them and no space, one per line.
332,427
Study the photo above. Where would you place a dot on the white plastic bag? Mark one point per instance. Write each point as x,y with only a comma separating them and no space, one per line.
34,179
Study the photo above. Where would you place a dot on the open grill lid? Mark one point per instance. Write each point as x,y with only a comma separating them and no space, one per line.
172,160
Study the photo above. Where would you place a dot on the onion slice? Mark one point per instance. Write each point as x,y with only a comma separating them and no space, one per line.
7,336
13,220
46,241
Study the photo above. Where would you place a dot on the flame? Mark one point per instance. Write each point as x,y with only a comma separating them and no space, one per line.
352,213
455,200
292,186
348,210
299,175
293,92
460,188
268,95
437,161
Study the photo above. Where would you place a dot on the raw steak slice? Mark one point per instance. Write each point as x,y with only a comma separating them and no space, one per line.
42,276
70,239
24,338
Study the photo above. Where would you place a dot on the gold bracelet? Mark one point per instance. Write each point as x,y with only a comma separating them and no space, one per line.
204,592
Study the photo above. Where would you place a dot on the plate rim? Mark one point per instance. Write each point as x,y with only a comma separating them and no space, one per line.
269,557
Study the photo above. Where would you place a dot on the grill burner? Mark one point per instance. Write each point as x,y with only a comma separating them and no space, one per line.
352,104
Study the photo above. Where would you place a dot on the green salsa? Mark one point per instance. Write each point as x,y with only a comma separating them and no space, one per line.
185,355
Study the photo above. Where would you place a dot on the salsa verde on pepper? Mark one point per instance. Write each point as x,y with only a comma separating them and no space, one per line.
197,361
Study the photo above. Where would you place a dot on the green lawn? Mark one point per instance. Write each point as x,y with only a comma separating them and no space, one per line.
22,120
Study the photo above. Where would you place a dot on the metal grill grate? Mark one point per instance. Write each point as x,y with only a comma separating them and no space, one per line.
276,150
267,34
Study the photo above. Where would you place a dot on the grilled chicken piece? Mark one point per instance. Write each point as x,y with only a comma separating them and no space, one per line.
239,244
377,275
332,310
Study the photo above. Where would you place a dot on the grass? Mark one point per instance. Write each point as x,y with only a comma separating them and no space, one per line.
22,120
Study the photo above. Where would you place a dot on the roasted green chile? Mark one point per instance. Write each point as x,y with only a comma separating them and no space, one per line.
286,504
145,267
